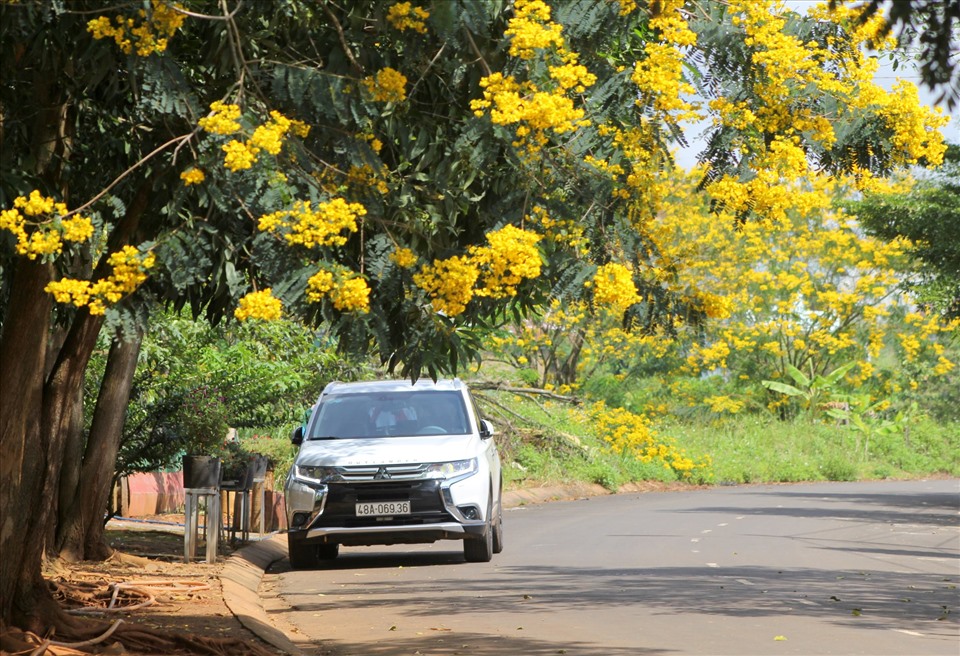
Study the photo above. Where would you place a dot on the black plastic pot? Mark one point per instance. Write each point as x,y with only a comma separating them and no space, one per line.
201,472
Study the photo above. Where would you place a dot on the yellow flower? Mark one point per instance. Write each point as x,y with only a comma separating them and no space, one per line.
303,225
222,118
150,34
449,283
352,295
388,85
77,229
404,16
129,268
403,258
259,305
192,176
531,29
613,288
239,156
510,257
319,285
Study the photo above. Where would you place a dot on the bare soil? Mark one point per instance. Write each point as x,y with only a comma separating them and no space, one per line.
147,583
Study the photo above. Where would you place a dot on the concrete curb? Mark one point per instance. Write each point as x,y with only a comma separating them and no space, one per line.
240,581
243,570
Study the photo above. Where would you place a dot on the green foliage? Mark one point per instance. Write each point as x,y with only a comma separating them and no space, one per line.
811,390
928,216
275,444
194,381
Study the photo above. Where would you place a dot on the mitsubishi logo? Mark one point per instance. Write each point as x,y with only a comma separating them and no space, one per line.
382,474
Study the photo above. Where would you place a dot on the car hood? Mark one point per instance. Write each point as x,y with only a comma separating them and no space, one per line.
388,450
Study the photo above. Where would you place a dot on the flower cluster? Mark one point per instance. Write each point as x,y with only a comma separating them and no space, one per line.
449,283
510,257
129,267
388,85
721,404
48,227
403,258
629,433
352,295
303,225
530,29
613,288
536,110
192,177
222,118
239,156
146,35
269,137
259,305
659,76
404,16
347,292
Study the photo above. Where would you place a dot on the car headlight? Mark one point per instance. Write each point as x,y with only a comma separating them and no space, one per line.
315,474
455,469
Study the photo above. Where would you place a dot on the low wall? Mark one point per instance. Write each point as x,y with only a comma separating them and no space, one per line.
159,493
154,493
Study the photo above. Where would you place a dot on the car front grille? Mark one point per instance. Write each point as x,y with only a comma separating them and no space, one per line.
363,473
426,504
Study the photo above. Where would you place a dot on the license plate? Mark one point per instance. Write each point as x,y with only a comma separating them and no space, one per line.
381,508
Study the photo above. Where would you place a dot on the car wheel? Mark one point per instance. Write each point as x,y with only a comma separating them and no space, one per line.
328,551
498,529
480,549
303,555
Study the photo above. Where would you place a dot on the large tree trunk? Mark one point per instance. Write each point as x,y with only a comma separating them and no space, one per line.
23,513
80,530
36,416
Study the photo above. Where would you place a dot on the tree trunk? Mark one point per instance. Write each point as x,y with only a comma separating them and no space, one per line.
23,513
567,372
70,472
80,531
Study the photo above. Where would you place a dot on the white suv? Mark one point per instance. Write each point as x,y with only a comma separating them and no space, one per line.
391,462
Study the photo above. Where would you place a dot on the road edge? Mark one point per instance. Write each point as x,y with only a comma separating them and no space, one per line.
244,570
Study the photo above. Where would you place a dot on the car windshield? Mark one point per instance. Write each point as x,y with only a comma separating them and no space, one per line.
380,414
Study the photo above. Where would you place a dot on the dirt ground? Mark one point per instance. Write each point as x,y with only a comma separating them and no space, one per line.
186,597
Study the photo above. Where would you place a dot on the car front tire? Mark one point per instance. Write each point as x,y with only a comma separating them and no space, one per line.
480,548
328,551
303,555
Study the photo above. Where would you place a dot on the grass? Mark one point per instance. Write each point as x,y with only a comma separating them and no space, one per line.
548,443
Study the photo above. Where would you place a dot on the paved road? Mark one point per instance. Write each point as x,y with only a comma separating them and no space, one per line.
853,568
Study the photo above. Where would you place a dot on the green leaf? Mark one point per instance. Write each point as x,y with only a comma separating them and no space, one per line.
783,388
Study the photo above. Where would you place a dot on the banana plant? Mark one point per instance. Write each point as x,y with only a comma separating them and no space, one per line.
861,414
812,390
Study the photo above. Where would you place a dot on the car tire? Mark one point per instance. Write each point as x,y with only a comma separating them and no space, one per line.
303,555
480,549
328,551
498,529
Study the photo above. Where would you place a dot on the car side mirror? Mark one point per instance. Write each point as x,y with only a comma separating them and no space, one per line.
486,429
297,436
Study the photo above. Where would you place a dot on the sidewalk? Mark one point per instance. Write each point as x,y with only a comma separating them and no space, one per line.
244,570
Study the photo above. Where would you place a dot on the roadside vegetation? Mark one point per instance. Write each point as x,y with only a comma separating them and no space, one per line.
607,429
